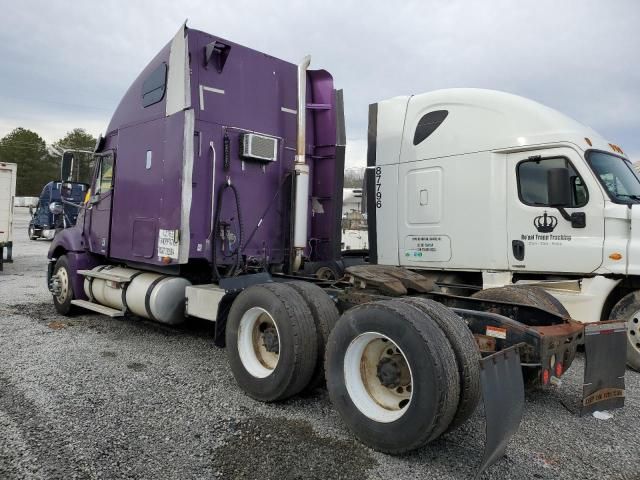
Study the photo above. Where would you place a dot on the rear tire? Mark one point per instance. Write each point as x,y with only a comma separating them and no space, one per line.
392,376
62,302
271,341
325,316
628,310
466,352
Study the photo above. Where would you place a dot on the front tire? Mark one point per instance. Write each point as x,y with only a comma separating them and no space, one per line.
628,310
32,233
392,376
64,288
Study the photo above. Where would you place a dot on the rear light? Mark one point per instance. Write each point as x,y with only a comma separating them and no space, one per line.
545,377
558,369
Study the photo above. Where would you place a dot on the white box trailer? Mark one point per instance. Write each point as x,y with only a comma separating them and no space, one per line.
8,172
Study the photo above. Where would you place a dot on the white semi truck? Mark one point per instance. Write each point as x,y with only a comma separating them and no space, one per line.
7,194
486,189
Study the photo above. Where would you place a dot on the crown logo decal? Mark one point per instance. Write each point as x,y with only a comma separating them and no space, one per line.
545,223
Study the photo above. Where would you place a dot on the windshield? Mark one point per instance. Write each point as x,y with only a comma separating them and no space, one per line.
616,175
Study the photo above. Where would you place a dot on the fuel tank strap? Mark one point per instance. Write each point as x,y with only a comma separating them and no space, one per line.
147,296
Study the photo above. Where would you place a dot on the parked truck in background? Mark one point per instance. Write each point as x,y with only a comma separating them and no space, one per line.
8,173
486,189
50,214
218,184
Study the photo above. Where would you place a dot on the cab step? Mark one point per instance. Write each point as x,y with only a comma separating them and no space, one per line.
96,307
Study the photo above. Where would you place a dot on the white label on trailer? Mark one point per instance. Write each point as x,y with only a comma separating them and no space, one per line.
427,248
497,332
168,243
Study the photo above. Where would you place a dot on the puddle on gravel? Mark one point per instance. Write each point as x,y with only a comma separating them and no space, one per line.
136,366
44,311
268,448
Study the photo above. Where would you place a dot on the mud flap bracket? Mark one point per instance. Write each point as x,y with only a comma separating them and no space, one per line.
503,396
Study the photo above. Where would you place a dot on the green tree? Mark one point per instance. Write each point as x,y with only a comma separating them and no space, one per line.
79,139
28,150
353,177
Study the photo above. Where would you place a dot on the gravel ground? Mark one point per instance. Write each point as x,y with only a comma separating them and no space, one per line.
94,397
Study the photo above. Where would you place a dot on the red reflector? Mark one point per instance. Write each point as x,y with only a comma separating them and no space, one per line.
545,376
558,369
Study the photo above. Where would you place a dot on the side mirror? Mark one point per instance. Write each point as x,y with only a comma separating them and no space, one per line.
66,190
55,208
558,187
66,167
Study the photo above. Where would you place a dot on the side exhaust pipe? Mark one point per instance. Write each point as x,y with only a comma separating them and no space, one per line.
301,213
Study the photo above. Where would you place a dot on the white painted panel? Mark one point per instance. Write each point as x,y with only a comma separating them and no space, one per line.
391,115
424,195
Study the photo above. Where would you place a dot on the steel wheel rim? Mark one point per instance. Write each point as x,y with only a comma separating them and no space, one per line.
63,283
362,372
325,273
253,343
633,331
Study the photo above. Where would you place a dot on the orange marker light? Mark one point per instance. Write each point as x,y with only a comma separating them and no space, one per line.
545,376
166,260
558,369
615,256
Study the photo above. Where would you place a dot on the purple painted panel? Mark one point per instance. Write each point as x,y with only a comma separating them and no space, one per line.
130,110
80,261
253,92
147,190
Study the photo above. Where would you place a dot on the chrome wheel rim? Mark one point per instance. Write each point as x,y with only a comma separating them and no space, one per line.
63,285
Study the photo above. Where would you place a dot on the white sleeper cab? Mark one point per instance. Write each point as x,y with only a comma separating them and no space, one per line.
488,189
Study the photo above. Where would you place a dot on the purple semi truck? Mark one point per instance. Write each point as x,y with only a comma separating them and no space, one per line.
217,194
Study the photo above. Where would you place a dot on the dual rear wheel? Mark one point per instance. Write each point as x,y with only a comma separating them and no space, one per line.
276,335
400,372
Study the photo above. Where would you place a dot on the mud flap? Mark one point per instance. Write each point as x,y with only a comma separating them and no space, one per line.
605,351
503,396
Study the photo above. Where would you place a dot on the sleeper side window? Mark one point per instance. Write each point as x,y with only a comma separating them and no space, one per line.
532,182
105,175
428,124
154,86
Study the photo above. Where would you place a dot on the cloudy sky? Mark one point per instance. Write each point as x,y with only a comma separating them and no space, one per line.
66,64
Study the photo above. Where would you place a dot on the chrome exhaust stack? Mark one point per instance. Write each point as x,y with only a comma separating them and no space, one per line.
301,206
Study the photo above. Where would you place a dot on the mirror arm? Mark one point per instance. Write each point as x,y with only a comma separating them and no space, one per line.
66,202
577,219
564,214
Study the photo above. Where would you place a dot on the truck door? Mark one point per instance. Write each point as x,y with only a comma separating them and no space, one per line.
540,239
99,206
